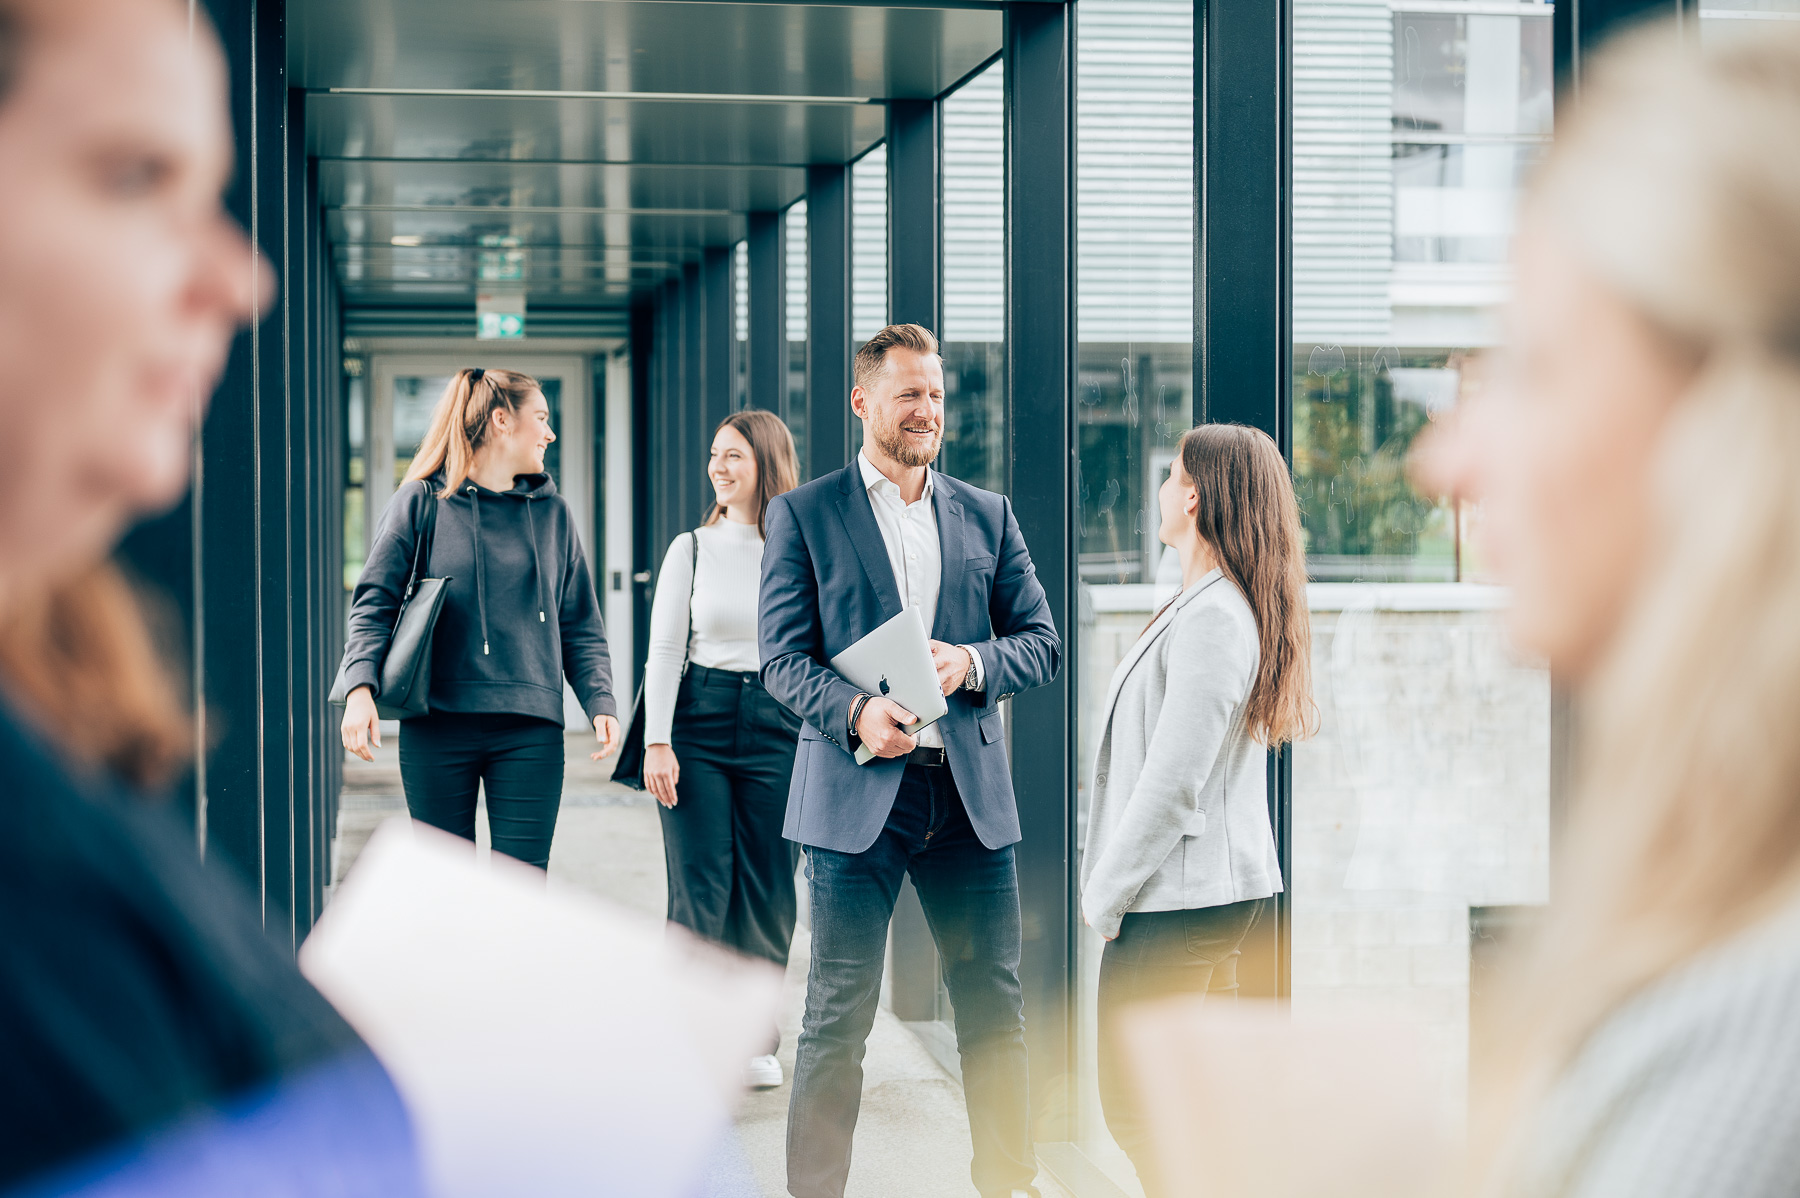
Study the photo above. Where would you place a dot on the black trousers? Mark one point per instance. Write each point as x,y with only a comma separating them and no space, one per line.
444,756
731,873
1159,954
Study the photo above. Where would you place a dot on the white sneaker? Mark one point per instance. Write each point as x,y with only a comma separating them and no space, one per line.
763,1073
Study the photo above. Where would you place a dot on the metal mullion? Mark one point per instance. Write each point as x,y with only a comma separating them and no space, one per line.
827,318
717,335
1243,341
915,234
768,310
1039,122
692,408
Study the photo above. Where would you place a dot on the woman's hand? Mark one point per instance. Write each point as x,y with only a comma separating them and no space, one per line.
661,772
606,731
362,726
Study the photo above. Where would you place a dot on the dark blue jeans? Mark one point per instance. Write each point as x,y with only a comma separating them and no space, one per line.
971,898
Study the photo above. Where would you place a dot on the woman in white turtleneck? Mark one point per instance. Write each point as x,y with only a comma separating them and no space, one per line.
719,750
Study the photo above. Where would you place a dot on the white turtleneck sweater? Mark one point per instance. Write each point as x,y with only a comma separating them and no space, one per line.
720,629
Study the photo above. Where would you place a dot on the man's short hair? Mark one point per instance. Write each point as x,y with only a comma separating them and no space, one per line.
872,358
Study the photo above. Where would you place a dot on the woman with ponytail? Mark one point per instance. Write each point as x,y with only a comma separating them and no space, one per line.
520,615
1180,857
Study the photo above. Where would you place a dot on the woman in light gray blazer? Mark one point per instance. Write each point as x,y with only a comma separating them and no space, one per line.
1180,857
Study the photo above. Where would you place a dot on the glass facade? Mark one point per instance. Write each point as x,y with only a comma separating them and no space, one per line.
1134,384
868,257
974,333
740,326
794,321
1421,811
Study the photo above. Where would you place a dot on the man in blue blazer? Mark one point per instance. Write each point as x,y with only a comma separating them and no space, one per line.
842,555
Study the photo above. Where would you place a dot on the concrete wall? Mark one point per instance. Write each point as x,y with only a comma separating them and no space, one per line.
1425,793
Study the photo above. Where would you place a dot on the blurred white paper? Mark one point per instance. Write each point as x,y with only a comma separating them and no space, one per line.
546,1044
1245,1100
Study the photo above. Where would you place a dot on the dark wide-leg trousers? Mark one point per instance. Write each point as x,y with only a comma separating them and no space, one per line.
1159,954
446,756
970,894
731,873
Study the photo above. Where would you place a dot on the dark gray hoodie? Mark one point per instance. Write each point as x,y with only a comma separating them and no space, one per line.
519,611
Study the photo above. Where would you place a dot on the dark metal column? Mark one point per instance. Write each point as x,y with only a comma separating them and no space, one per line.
241,559
827,318
915,296
717,337
692,409
768,310
643,454
915,213
1040,357
1242,320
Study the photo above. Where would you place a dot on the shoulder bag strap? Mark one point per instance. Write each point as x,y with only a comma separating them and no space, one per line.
687,647
422,541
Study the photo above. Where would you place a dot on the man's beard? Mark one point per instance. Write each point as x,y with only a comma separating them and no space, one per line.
894,443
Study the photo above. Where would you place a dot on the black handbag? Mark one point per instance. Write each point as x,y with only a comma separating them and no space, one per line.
406,670
630,767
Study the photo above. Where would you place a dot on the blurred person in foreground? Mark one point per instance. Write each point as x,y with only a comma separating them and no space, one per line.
152,1038
1638,467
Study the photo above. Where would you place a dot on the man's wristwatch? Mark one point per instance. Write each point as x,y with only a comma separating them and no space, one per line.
974,675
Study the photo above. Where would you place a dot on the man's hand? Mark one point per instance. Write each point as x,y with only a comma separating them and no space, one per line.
953,663
880,726
606,731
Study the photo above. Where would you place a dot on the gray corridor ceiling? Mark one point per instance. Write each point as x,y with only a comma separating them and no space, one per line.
595,145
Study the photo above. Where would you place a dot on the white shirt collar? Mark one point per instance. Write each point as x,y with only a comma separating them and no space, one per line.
873,478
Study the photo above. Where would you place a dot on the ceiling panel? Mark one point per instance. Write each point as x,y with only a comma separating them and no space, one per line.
690,116
464,182
508,128
580,45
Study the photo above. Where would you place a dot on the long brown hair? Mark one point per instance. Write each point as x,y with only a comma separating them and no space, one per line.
81,662
462,418
777,465
1250,519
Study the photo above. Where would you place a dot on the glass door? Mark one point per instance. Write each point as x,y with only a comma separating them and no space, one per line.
406,388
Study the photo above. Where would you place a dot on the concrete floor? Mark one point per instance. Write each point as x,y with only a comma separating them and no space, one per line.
912,1138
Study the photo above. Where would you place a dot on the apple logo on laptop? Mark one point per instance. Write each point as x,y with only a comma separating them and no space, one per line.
883,685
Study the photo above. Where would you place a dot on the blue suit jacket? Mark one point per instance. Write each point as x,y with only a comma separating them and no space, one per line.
826,583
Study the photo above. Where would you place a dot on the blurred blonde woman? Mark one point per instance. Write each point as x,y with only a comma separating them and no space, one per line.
1640,476
1180,857
155,1038
520,615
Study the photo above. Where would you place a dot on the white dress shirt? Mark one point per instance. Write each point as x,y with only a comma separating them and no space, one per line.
910,532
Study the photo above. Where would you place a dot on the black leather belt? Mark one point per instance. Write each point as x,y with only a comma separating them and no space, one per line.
925,756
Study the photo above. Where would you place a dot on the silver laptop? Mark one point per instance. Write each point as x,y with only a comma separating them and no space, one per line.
894,661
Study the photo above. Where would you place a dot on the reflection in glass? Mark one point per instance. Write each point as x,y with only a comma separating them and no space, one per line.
868,256
356,465
1134,384
740,324
973,336
794,405
1420,814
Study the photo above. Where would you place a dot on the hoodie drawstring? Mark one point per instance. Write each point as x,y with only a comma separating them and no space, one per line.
480,590
537,568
